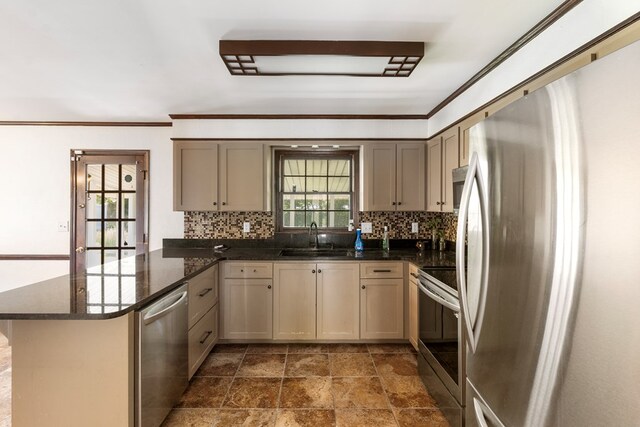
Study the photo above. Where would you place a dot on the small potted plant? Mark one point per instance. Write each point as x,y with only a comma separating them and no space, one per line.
434,224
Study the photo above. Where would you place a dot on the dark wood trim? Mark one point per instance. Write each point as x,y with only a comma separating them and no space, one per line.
103,124
298,116
582,49
33,257
320,47
302,139
545,23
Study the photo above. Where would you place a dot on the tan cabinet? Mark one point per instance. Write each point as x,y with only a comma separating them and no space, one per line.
442,159
211,176
203,316
381,303
316,301
464,147
247,303
338,302
394,176
413,306
294,301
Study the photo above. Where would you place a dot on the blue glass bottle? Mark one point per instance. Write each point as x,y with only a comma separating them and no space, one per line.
359,245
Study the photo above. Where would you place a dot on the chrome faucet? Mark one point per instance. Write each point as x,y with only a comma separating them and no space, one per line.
316,245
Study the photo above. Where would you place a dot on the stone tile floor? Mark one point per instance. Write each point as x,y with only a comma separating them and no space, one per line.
5,382
307,385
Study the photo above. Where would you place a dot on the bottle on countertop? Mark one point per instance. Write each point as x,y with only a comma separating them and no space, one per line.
385,239
359,245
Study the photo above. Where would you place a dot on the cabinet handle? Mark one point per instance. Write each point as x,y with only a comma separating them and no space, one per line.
393,203
215,203
415,275
319,271
363,286
254,270
204,292
224,203
205,336
313,271
241,270
399,203
382,271
268,286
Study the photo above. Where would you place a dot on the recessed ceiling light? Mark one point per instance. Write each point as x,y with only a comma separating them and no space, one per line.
294,146
315,146
336,146
321,57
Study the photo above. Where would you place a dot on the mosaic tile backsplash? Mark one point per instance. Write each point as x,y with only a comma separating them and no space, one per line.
228,225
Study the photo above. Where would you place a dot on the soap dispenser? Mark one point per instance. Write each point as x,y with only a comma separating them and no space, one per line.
385,239
359,245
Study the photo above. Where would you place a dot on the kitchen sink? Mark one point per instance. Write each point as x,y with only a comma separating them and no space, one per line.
315,253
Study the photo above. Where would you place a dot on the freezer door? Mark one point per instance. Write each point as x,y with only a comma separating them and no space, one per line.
478,412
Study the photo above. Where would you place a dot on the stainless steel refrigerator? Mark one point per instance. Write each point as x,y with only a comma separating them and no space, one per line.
551,216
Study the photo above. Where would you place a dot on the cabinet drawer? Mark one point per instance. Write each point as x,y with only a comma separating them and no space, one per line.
203,294
381,270
202,338
248,270
413,273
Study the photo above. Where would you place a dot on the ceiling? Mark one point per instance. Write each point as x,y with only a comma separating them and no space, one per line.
123,60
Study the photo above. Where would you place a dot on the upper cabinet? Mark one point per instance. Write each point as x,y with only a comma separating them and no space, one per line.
211,176
442,155
394,177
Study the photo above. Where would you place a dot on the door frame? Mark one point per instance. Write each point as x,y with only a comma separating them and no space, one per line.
75,155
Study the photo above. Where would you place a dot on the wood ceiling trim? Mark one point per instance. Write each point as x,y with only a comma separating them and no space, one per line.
320,47
545,23
298,116
104,124
33,257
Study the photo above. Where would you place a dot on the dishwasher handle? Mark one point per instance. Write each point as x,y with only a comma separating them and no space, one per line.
154,315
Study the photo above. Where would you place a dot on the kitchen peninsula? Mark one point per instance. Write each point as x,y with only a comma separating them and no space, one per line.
73,343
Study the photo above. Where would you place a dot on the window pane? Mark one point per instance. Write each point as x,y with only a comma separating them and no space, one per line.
128,262
111,267
94,177
128,233
94,289
128,205
293,184
128,286
94,206
128,177
317,185
316,202
294,167
319,217
94,234
293,219
340,167
110,235
339,185
111,289
339,202
111,177
293,202
92,260
111,205
317,167
339,219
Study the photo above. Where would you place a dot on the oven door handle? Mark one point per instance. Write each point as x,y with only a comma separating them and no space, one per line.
439,298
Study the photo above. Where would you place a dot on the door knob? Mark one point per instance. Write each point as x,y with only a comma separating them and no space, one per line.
80,250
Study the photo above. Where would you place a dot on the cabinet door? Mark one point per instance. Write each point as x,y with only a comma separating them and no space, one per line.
379,177
434,175
203,294
338,301
410,173
247,310
195,176
381,309
450,161
202,337
464,148
242,177
294,301
413,313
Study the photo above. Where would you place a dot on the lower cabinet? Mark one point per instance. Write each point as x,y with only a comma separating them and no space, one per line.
247,308
381,300
203,316
315,301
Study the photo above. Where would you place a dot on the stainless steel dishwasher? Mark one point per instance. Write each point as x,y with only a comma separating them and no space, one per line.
162,360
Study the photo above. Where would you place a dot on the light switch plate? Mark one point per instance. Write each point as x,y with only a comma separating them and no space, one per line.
246,227
414,227
366,227
63,227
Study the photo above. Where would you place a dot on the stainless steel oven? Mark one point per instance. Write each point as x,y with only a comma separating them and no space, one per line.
441,340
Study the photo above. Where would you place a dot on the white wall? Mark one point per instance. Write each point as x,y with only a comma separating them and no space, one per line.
35,189
583,23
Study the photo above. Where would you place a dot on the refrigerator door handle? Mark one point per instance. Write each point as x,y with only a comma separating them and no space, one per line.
473,326
477,409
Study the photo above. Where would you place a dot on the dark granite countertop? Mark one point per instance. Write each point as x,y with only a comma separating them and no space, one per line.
119,287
